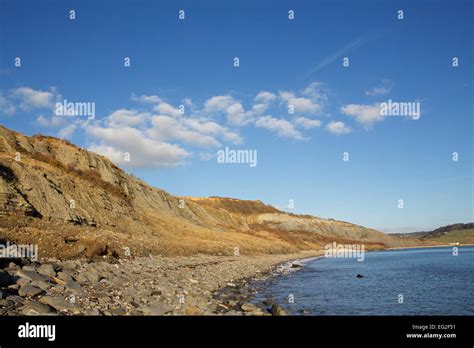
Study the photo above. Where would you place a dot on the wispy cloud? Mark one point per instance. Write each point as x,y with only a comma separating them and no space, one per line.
384,88
307,123
180,132
132,147
338,127
6,107
282,127
339,53
366,115
34,99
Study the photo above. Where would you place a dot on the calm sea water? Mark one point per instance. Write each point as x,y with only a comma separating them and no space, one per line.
432,281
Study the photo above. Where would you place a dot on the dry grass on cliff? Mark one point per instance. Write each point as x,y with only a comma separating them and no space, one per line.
92,175
169,239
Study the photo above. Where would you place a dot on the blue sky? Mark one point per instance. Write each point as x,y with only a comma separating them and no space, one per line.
283,63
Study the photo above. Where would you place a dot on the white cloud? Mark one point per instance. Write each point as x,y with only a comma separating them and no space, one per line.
159,105
265,97
110,152
316,91
263,101
231,108
67,131
281,127
187,102
310,101
382,89
144,152
258,109
147,99
52,122
168,128
130,131
6,107
166,109
33,99
213,128
301,105
158,134
206,156
235,108
125,117
237,116
67,125
338,127
307,123
235,112
219,103
366,115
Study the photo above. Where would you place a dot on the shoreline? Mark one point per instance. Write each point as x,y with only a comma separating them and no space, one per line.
256,281
429,246
247,288
180,285
191,285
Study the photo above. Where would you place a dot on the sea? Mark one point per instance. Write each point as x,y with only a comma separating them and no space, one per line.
421,281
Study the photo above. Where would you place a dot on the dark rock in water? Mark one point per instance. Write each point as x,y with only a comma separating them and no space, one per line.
269,302
296,265
360,276
278,310
248,307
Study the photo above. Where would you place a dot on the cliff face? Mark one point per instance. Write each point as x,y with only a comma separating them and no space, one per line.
72,202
